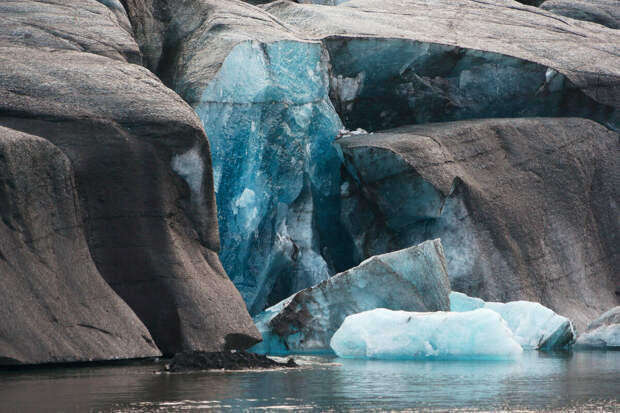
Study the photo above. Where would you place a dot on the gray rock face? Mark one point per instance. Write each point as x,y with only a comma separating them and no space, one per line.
602,333
373,64
412,279
605,12
55,306
141,162
526,208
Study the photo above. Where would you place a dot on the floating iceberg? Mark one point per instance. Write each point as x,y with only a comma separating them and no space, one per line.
534,325
603,333
385,334
413,279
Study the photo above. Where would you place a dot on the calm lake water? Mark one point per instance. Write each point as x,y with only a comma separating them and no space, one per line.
580,381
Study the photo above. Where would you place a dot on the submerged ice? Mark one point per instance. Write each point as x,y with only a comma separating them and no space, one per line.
534,325
386,334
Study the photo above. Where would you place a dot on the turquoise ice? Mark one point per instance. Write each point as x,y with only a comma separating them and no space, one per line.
412,279
399,335
271,125
534,325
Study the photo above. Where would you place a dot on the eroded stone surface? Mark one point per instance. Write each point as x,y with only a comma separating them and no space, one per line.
149,219
55,306
605,12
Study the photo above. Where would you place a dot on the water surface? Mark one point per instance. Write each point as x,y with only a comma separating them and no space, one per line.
581,381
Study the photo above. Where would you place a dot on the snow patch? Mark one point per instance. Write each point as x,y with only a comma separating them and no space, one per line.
190,167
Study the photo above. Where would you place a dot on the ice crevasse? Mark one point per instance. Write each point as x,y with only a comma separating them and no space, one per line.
481,334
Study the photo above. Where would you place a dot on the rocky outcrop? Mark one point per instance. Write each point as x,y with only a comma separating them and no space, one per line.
525,208
223,360
274,84
605,12
141,162
603,333
413,279
55,306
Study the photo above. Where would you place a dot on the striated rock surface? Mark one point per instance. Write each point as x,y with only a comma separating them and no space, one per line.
54,306
413,279
526,208
602,333
141,162
274,84
605,12
534,325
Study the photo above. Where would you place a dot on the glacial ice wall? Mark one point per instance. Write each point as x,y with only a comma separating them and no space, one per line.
270,91
271,126
387,205
383,83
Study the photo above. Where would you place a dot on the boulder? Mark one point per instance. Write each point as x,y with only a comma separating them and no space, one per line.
602,333
55,306
533,325
223,360
525,208
413,279
141,162
400,335
605,12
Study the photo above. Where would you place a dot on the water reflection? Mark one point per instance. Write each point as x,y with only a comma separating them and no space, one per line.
559,381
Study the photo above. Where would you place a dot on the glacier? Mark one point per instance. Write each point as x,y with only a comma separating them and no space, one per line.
383,83
534,325
602,333
271,125
413,279
384,334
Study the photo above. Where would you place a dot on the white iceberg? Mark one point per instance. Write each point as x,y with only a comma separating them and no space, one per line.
534,325
384,334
